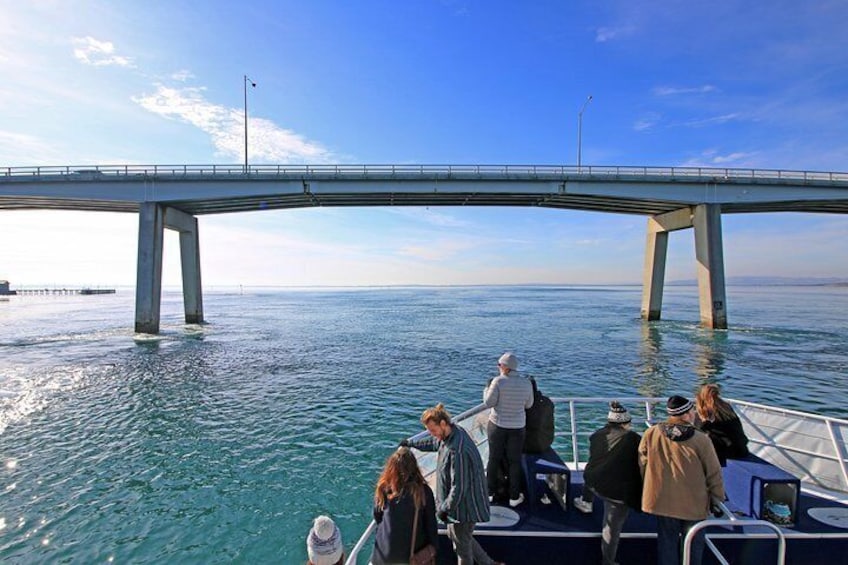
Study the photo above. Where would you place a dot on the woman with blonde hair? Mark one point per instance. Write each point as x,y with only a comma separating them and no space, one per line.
721,423
403,503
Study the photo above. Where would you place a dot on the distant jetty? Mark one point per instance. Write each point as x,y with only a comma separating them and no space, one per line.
6,291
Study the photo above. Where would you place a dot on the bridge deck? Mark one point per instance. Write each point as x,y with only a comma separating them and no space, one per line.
210,189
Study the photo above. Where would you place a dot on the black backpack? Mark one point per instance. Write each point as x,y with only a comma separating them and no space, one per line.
539,428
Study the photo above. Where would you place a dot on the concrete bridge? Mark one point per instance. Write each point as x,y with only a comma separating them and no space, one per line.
672,198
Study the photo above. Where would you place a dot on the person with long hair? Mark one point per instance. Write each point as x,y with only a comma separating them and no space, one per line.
718,420
400,492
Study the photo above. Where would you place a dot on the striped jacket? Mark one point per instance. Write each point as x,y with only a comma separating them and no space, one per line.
461,489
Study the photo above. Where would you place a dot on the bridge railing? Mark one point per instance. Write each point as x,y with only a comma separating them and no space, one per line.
409,171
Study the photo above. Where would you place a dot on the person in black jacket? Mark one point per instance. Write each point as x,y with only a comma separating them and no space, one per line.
400,491
718,420
613,474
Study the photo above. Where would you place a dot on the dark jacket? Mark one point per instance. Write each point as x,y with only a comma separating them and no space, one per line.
394,528
613,467
728,438
539,429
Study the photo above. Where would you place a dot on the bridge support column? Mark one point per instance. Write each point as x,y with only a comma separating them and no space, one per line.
153,218
189,261
148,286
656,247
710,259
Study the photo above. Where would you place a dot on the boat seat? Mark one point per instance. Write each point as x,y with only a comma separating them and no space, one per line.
546,474
762,490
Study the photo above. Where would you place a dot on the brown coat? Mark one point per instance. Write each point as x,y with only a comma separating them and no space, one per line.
680,475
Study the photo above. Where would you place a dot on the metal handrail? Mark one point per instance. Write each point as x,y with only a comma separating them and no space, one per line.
693,531
360,544
839,455
542,172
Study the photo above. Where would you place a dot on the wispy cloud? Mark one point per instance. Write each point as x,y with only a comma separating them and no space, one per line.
712,158
98,53
24,149
675,91
225,126
713,121
604,34
429,216
182,75
435,250
647,121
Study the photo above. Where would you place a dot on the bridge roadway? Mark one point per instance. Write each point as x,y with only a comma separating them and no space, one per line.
673,198
209,189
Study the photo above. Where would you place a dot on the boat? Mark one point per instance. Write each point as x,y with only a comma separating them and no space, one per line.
786,503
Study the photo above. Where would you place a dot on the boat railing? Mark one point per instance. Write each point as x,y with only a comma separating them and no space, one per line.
576,436
813,448
711,522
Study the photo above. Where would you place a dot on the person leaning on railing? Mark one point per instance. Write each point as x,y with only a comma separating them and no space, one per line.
718,420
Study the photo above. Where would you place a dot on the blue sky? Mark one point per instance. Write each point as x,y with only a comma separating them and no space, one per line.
677,83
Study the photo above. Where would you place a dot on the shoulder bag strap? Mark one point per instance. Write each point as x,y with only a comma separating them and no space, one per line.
414,530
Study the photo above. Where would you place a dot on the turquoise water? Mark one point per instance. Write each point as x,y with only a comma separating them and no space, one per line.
220,443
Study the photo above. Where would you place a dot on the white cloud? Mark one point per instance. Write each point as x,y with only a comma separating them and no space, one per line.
98,53
182,75
646,122
267,141
429,216
715,120
604,34
23,149
711,157
673,91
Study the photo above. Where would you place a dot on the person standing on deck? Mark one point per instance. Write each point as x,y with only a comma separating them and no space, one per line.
718,420
613,474
461,499
682,479
401,498
508,395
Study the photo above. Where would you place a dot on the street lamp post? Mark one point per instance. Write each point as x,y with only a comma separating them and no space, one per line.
253,84
580,132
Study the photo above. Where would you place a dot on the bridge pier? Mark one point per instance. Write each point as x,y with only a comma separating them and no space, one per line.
153,219
706,221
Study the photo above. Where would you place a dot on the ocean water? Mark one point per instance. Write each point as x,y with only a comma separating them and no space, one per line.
219,443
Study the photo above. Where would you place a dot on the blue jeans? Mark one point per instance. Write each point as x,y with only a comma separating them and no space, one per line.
670,535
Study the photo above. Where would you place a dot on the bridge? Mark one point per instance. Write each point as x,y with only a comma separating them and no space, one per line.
672,198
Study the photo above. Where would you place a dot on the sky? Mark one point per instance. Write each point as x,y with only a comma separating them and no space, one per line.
673,83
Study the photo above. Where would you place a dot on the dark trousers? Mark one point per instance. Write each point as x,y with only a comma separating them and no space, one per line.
670,534
505,447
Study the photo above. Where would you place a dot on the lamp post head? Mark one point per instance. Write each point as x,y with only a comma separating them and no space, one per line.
586,103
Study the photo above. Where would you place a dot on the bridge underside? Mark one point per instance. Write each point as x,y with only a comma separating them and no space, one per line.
639,206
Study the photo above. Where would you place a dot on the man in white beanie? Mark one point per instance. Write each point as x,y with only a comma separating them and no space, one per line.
509,395
324,543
